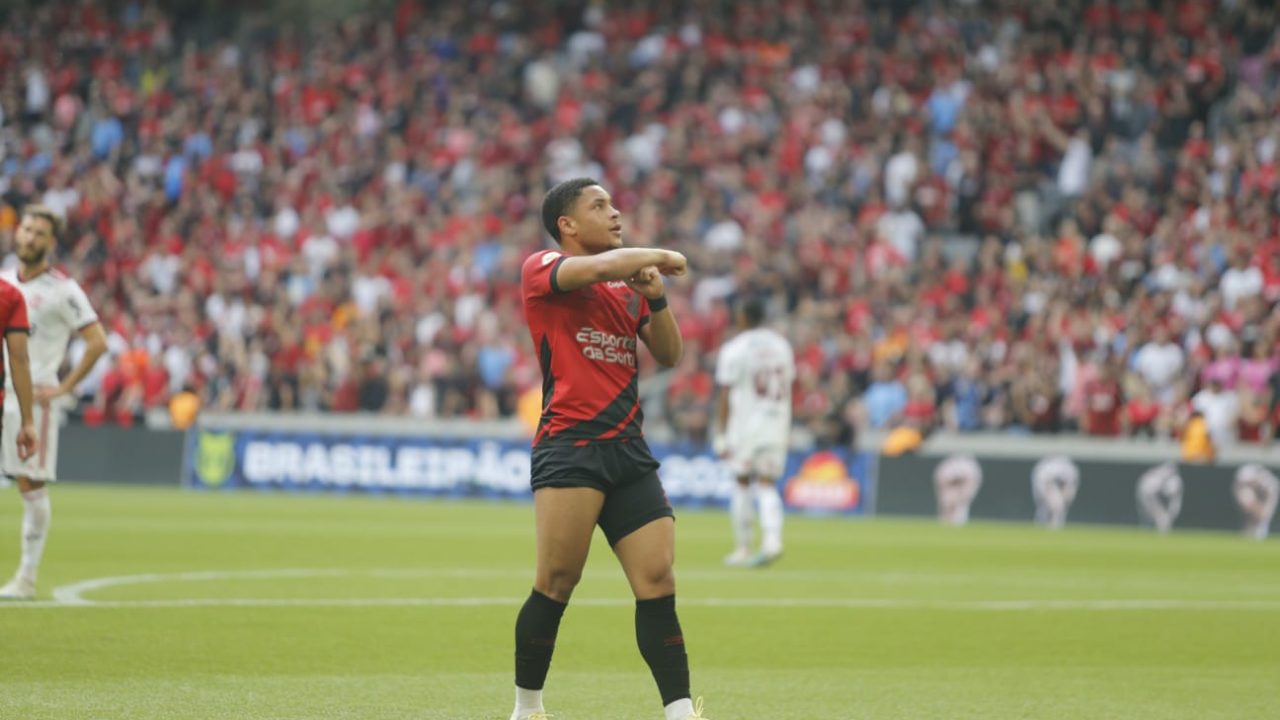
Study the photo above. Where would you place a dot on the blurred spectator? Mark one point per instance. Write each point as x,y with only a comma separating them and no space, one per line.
1035,396
970,402
1142,414
1220,408
183,409
1258,369
1160,363
1224,369
885,398
1243,279
1197,443
1104,402
920,409
688,397
1254,420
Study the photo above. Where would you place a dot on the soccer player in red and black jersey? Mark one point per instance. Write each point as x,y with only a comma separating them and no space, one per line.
587,304
16,329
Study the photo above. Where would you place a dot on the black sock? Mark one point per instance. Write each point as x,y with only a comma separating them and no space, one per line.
662,645
536,629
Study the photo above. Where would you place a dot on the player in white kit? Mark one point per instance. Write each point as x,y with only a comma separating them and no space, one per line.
1160,495
1257,490
755,371
1054,483
57,309
956,482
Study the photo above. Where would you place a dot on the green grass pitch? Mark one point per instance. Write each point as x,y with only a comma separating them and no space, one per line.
178,605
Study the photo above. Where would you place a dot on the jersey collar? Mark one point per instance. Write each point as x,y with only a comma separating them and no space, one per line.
23,280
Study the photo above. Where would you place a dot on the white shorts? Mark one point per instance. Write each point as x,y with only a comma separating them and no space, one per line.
43,465
765,462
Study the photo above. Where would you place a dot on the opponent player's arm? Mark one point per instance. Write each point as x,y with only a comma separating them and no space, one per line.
719,439
722,410
95,346
577,271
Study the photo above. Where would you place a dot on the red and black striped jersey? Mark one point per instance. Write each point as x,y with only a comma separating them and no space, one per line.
13,318
587,343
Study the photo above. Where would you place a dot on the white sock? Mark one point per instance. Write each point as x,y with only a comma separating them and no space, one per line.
36,513
528,702
680,709
742,514
770,517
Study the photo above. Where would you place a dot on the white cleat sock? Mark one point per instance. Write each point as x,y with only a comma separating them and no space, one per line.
680,710
770,518
36,514
528,702
742,515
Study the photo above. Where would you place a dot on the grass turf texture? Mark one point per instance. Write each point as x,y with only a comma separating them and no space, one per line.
405,609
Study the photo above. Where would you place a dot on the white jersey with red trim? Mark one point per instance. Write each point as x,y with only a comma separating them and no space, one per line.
757,369
58,309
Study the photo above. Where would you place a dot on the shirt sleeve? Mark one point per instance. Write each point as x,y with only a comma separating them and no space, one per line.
726,366
538,276
80,313
13,311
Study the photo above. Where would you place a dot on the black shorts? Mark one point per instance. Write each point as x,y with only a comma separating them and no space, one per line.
624,470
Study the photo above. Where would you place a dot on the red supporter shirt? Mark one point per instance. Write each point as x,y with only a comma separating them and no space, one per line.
1104,402
1142,414
13,318
586,341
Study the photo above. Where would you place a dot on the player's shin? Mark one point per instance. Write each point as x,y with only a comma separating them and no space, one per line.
36,516
536,630
661,644
742,515
770,517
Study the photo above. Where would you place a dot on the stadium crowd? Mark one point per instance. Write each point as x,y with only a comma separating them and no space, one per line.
973,215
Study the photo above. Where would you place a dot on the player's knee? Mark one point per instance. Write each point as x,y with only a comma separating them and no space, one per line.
656,581
559,583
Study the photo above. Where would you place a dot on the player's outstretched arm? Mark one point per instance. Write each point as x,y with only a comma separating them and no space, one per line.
620,264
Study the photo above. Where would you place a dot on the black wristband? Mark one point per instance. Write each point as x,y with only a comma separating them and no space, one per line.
658,305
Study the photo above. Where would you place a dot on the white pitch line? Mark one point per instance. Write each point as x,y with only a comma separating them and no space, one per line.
74,593
782,602
72,596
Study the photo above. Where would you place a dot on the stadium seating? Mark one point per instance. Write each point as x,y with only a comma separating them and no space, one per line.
1044,218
